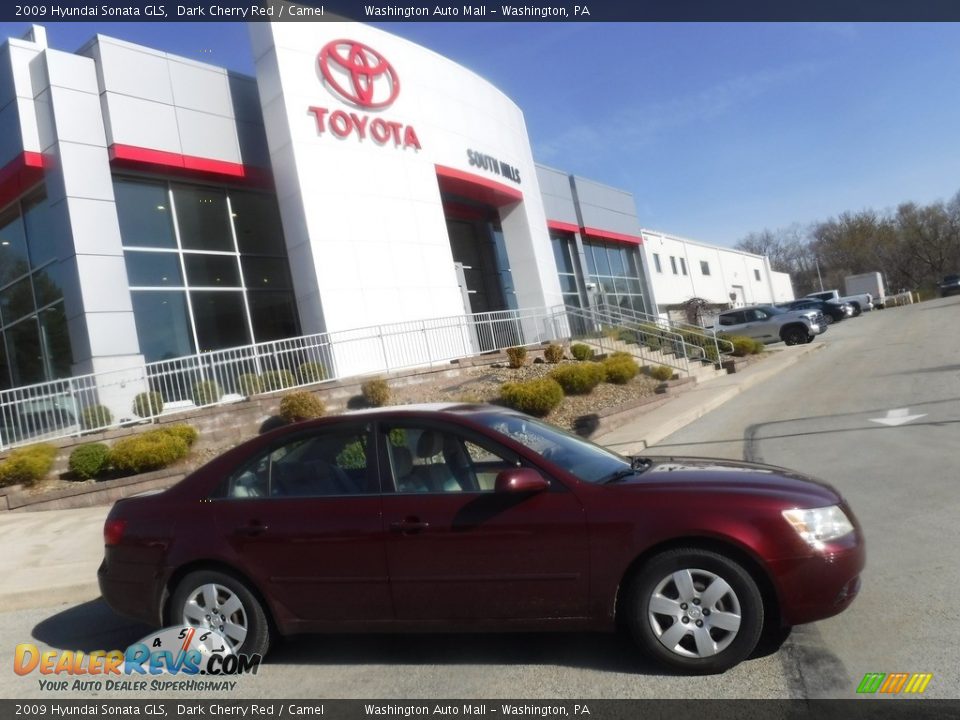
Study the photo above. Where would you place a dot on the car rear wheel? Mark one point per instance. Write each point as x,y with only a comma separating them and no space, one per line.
212,600
856,309
695,610
794,335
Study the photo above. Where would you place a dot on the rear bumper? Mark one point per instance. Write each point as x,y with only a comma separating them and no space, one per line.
820,585
132,591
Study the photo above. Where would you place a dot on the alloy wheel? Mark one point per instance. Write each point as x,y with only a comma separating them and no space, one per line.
215,607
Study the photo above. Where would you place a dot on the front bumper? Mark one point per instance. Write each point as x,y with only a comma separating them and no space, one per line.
820,584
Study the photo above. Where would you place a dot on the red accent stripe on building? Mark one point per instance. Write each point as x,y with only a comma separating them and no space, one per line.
610,235
475,187
138,158
563,226
21,174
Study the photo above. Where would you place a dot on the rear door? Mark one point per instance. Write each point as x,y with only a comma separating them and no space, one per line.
457,550
303,520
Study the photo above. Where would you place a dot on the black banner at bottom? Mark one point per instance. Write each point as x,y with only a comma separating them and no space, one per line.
853,709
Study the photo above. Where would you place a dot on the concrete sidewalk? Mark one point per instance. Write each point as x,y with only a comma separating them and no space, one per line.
51,557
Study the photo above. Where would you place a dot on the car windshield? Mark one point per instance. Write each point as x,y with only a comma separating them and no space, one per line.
584,460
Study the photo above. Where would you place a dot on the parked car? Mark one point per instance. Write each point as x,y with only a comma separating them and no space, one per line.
860,302
832,310
472,517
950,285
771,324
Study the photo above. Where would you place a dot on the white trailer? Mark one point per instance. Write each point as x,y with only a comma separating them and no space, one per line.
871,282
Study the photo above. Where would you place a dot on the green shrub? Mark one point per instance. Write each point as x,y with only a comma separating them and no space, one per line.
579,379
150,451
185,432
250,384
653,342
620,369
553,353
376,392
759,347
89,461
301,405
516,356
742,345
27,465
207,392
627,336
277,380
534,397
148,404
95,416
581,352
660,372
312,372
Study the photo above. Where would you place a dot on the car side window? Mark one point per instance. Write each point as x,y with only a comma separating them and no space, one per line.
429,460
322,463
759,315
730,319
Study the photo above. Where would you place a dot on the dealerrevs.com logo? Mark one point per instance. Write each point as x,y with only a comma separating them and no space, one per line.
152,663
360,76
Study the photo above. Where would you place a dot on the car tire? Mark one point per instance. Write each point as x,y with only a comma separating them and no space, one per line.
684,583
856,309
809,339
233,598
794,335
828,319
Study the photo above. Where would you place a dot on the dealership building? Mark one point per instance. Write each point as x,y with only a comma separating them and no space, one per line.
154,207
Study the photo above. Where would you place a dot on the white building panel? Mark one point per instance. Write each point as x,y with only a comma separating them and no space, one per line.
124,118
208,136
200,88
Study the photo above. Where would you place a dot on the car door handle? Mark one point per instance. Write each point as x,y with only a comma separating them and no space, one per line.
410,525
252,529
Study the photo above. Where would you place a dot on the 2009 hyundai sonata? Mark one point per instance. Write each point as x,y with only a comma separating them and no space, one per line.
472,517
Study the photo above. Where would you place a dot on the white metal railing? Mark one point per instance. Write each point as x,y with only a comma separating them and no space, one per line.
651,344
630,317
87,403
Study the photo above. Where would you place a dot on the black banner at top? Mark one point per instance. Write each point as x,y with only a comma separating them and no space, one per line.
374,11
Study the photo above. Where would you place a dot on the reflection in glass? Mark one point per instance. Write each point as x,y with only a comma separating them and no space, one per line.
55,340
48,283
38,222
202,218
151,269
13,247
211,270
256,220
273,314
143,209
4,366
220,319
23,345
163,326
265,273
16,301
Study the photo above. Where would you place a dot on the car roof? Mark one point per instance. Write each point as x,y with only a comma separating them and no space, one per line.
426,408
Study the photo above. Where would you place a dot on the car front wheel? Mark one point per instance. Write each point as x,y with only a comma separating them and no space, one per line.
213,600
794,335
695,610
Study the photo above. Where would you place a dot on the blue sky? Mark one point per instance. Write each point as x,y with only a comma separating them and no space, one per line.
717,129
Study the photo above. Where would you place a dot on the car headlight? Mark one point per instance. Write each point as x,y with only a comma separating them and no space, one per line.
819,525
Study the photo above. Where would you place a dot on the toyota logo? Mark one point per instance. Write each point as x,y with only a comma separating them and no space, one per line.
359,74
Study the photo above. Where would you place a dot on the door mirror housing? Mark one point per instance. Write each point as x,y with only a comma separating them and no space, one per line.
520,480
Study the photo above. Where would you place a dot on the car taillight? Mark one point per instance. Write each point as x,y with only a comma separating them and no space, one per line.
113,531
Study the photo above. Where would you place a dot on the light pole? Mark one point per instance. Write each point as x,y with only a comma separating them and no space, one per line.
816,261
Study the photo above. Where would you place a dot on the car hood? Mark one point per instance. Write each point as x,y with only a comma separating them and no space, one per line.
717,475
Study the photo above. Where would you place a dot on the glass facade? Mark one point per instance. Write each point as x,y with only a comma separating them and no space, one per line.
615,270
34,343
207,267
564,253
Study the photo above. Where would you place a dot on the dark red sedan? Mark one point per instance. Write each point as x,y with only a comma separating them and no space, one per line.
473,517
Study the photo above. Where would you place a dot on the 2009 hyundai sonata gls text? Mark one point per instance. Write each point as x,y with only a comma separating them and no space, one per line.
477,518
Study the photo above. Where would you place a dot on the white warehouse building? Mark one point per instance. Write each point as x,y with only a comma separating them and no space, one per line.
680,269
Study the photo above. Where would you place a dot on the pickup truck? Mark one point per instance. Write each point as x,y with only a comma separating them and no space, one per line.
860,302
771,324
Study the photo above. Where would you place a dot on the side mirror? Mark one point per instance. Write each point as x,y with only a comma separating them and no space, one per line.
520,480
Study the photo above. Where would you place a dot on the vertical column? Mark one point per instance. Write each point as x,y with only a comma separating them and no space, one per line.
79,188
